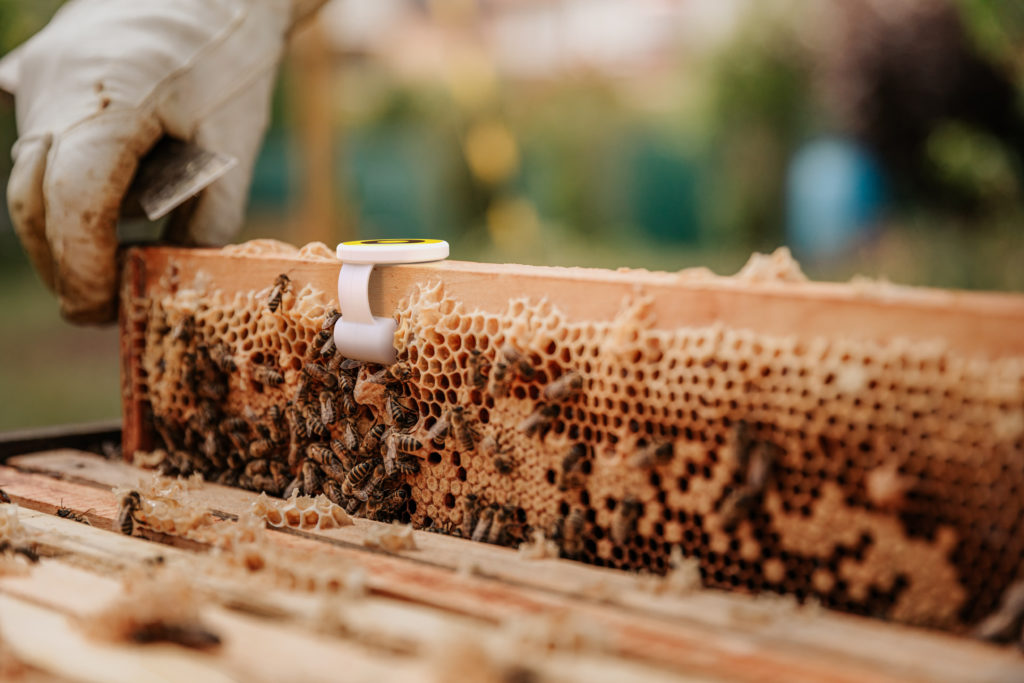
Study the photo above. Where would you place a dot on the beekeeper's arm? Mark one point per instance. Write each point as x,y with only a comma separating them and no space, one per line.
97,87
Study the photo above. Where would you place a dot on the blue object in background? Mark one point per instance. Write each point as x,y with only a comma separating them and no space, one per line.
835,192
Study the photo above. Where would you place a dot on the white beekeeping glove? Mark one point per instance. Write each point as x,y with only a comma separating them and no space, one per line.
102,82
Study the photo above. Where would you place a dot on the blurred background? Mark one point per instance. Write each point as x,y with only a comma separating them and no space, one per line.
875,137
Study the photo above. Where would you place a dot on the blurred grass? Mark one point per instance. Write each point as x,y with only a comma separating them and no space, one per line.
51,372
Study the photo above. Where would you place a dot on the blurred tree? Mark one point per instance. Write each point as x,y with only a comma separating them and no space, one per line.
759,107
898,71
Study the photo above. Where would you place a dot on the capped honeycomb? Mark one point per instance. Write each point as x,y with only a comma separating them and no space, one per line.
883,479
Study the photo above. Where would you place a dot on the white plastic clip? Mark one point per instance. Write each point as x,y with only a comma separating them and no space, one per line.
358,333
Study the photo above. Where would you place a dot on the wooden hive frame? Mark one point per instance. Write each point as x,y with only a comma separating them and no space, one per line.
986,324
981,327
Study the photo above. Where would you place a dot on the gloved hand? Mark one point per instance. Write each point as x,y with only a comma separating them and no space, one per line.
102,82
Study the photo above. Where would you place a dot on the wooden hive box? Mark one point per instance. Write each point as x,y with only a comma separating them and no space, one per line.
856,447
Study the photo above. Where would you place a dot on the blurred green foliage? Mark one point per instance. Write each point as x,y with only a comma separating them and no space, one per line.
759,109
602,178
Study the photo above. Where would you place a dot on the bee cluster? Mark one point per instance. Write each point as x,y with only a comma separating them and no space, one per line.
880,479
311,436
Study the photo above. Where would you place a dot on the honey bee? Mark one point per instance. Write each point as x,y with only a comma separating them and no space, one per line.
573,459
312,478
405,443
539,421
478,367
4,498
267,375
281,285
332,318
371,442
68,513
511,362
513,532
127,511
343,454
220,355
328,409
319,452
402,416
280,472
320,374
502,463
391,454
255,467
190,635
388,503
314,425
328,350
261,448
303,388
624,523
261,483
334,468
465,433
572,533
347,384
651,455
501,519
358,477
274,424
438,432
296,423
351,366
233,424
392,374
319,340
349,435
328,462
516,358
500,377
469,506
332,490
483,524
348,403
756,461
401,371
407,464
377,482
565,387
295,453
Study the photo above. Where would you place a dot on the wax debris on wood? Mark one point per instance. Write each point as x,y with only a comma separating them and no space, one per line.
17,550
161,606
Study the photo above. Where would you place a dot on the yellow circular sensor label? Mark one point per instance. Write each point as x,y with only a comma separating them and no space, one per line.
355,243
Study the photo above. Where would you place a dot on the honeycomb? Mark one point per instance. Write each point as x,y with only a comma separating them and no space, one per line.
882,479
300,512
